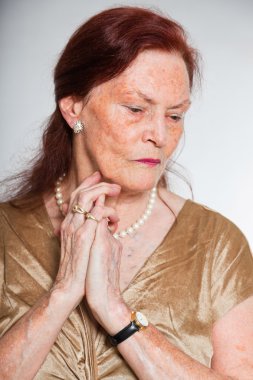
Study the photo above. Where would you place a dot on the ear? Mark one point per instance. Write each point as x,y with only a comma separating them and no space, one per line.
71,109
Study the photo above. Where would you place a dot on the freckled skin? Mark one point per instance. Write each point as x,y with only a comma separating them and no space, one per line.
115,135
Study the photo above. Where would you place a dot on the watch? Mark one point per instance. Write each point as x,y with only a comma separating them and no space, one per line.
138,322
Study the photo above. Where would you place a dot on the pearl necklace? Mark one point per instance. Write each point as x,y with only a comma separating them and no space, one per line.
58,193
121,234
141,220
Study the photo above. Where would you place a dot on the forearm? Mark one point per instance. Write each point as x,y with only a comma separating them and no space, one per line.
25,346
151,355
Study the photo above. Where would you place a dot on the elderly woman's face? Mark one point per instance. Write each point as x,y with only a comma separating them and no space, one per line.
137,115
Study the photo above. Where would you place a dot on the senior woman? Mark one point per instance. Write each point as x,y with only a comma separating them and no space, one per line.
113,275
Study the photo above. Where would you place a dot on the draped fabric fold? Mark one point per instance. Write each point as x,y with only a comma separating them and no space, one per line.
29,260
202,269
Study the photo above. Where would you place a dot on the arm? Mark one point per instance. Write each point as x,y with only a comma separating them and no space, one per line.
148,352
232,338
25,346
151,355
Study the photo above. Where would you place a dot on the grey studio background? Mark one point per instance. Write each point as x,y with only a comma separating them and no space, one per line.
218,133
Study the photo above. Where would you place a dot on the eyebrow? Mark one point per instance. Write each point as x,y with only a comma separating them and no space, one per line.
151,101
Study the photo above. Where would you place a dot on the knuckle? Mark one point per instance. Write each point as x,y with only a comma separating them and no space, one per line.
69,230
104,184
107,186
99,209
65,228
81,195
80,235
82,191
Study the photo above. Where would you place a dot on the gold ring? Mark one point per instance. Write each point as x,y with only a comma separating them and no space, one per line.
78,209
88,215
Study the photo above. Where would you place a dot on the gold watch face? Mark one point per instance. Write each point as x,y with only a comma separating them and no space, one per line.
141,319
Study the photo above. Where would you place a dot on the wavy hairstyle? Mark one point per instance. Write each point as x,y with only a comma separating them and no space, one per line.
99,50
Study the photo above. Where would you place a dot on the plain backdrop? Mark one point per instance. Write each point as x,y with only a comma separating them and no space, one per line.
217,153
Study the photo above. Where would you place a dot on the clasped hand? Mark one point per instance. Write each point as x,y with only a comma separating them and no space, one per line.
90,255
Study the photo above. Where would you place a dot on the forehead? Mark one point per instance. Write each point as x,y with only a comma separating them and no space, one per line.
153,72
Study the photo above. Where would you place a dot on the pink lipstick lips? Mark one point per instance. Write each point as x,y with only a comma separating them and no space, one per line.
149,161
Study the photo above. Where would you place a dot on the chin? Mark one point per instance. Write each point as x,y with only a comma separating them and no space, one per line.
133,180
138,184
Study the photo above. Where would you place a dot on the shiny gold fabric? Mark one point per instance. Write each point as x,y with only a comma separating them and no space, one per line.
201,270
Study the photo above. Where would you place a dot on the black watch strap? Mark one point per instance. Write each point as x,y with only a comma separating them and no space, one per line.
125,333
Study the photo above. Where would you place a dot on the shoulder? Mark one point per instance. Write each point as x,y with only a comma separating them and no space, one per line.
202,221
16,216
219,226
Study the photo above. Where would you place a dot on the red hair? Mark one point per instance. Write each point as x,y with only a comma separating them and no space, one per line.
99,50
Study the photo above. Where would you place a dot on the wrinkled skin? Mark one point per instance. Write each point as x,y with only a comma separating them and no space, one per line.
138,114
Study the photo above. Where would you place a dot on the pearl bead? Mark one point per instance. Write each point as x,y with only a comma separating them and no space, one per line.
120,234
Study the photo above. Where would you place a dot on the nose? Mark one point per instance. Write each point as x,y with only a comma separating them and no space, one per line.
156,131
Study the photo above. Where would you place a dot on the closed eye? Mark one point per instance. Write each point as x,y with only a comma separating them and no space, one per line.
134,109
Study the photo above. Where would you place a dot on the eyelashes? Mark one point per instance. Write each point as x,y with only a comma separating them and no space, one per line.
134,109
176,117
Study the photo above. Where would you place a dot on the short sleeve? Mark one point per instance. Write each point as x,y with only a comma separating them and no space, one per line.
232,268
5,305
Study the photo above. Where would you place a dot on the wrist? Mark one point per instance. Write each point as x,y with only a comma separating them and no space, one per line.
62,298
138,322
116,319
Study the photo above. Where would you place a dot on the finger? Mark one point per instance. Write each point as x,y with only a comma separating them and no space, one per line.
104,257
88,182
91,194
88,229
101,200
112,226
86,198
106,228
100,212
87,203
67,208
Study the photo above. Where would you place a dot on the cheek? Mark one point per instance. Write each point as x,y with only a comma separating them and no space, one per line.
175,134
116,132
108,138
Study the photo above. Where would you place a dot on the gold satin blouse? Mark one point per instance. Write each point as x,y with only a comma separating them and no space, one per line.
202,269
